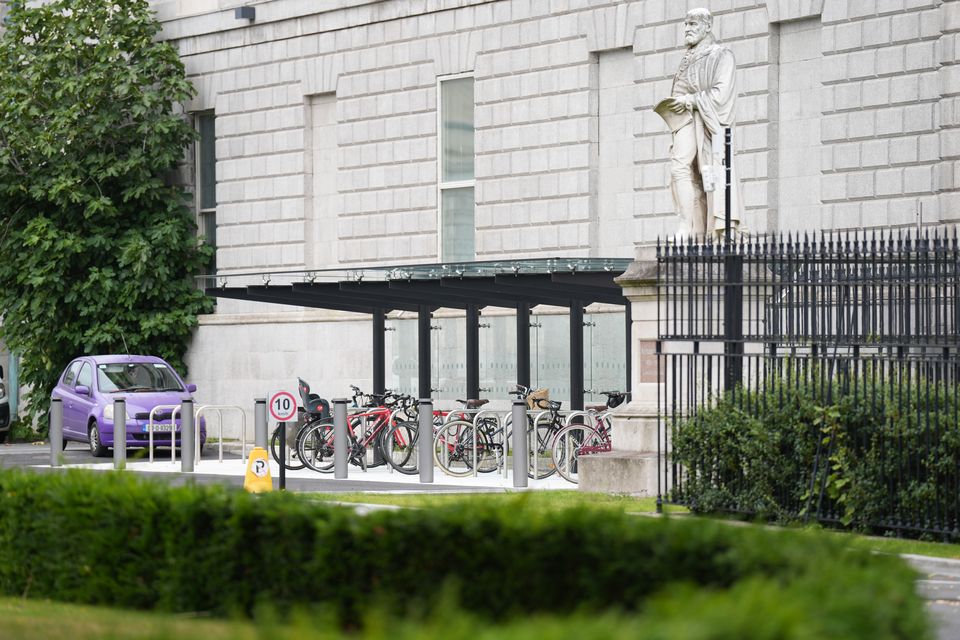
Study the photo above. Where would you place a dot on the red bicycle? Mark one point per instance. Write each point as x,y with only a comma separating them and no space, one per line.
375,428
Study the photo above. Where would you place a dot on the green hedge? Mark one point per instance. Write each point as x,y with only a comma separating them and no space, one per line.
111,539
864,452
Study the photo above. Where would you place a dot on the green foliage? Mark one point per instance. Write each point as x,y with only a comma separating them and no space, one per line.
98,249
112,539
861,451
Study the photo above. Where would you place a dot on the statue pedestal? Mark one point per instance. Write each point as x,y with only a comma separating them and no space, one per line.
631,468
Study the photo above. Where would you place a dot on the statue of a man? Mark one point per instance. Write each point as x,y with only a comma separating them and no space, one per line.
700,107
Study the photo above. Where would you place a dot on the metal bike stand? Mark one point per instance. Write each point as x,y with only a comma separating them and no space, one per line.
219,409
476,418
173,425
340,438
533,439
391,423
567,423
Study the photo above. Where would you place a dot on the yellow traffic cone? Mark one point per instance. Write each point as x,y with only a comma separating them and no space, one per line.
258,478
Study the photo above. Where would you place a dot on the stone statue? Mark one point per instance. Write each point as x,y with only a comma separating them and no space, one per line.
700,107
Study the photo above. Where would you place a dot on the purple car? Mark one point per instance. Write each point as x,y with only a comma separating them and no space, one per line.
89,385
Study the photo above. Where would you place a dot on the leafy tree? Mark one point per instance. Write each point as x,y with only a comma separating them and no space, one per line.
98,248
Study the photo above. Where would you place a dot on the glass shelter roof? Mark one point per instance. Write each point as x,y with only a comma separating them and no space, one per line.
505,283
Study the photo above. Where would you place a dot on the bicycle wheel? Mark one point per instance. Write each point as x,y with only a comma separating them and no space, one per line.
457,446
571,443
398,446
315,447
539,463
294,463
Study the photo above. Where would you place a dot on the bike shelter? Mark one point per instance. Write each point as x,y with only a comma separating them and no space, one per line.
520,285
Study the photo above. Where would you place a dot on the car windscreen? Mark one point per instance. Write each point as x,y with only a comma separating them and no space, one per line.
136,377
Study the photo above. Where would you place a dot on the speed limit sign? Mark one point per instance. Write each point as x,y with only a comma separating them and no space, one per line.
283,406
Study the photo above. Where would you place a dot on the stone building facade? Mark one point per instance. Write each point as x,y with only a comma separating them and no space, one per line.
330,140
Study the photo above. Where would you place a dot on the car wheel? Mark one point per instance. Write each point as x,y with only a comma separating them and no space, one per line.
96,446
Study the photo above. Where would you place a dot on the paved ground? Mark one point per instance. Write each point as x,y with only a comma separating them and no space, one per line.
941,588
232,469
940,584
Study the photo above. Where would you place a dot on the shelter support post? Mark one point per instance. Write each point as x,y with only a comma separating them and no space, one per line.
473,351
576,355
423,351
523,344
379,351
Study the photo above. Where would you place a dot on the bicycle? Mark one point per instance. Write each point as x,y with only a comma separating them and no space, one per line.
462,444
547,427
316,409
394,440
583,439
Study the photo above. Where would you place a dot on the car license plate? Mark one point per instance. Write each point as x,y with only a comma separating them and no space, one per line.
158,428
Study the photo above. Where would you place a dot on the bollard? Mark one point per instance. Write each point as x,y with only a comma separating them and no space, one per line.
186,435
119,433
56,431
425,440
520,455
340,443
260,432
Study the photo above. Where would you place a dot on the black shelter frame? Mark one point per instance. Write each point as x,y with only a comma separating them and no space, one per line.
515,284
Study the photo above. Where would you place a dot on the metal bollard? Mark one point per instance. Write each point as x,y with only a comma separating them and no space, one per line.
340,443
520,455
119,433
425,441
260,431
186,435
56,431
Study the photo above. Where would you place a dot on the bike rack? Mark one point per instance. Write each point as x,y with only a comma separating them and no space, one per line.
219,408
175,409
533,442
496,416
569,421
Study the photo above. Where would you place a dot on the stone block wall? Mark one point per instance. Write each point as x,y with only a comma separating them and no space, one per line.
881,139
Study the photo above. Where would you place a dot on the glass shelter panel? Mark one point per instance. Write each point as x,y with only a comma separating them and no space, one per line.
550,355
448,350
401,356
498,357
604,355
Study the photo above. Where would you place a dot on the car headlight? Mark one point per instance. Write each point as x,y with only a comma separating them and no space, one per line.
3,390
108,412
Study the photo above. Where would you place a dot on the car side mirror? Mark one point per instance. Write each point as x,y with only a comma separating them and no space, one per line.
191,387
82,389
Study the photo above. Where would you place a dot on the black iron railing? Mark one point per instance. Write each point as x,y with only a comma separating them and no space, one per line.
814,377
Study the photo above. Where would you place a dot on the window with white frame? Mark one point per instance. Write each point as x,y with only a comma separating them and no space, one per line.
206,183
457,238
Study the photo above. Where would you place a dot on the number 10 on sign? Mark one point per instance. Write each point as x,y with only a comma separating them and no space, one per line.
283,406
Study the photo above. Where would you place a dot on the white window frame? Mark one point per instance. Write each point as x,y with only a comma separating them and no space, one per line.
456,184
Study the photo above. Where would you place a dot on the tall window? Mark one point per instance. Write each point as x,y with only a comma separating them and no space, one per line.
457,226
206,184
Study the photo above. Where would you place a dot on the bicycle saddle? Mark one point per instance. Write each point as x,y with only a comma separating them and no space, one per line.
314,405
473,404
